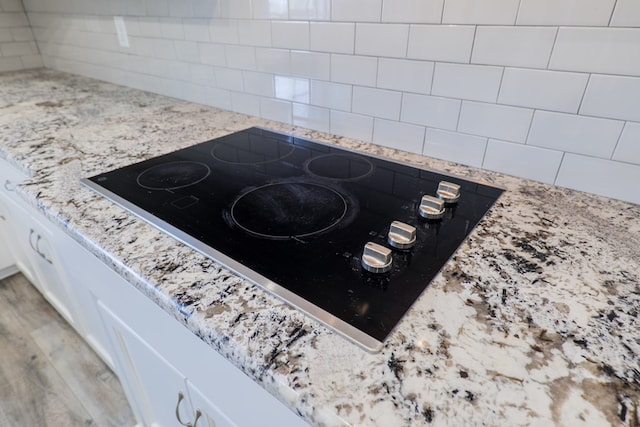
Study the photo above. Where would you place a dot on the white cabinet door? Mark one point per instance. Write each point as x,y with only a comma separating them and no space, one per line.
207,413
44,272
7,263
158,389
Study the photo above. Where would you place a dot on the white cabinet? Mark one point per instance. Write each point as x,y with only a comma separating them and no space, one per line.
32,247
164,396
7,263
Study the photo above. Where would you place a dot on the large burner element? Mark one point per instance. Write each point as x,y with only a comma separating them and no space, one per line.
288,210
173,175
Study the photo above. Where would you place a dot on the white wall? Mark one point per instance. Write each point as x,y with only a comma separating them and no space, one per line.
18,50
543,89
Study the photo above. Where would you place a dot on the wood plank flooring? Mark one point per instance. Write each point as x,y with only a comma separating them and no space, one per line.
49,377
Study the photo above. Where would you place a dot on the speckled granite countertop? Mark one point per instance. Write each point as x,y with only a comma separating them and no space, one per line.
533,321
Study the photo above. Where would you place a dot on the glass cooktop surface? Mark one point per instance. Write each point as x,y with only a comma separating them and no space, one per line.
294,216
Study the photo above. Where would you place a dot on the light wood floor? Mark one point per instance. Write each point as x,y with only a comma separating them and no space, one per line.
48,375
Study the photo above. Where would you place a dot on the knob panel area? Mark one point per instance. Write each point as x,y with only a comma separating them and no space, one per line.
376,258
401,235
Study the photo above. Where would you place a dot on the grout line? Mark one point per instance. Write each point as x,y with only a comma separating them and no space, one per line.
615,5
553,47
618,141
584,94
555,178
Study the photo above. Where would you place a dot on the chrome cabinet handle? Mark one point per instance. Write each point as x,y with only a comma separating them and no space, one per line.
198,415
36,247
178,417
9,186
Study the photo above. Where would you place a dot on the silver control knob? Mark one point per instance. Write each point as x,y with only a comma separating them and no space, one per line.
376,258
448,191
401,235
431,207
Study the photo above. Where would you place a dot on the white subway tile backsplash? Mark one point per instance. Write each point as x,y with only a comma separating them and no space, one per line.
312,117
270,9
541,89
495,121
290,34
258,83
474,82
423,11
276,61
335,96
376,102
614,97
254,33
202,74
148,27
447,43
455,147
194,29
513,46
245,103
186,51
276,109
360,70
242,57
597,50
240,9
311,65
204,8
628,148
565,12
605,177
227,78
405,75
351,125
319,10
430,111
401,136
292,89
171,28
490,12
387,40
575,134
356,10
626,14
223,31
334,37
521,160
211,54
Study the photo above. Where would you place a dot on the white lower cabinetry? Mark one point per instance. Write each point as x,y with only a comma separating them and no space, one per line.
7,263
164,396
31,245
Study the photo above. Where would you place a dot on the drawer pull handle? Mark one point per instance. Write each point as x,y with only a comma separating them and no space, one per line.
198,415
180,399
9,186
36,246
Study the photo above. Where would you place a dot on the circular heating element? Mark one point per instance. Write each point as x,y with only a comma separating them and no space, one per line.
288,210
173,175
342,167
246,152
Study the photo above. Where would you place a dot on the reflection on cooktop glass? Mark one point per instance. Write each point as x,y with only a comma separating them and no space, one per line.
349,239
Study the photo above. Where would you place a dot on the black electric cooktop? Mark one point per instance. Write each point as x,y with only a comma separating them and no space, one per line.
294,216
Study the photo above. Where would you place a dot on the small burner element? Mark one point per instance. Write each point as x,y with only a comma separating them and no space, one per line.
288,210
342,167
173,175
251,151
